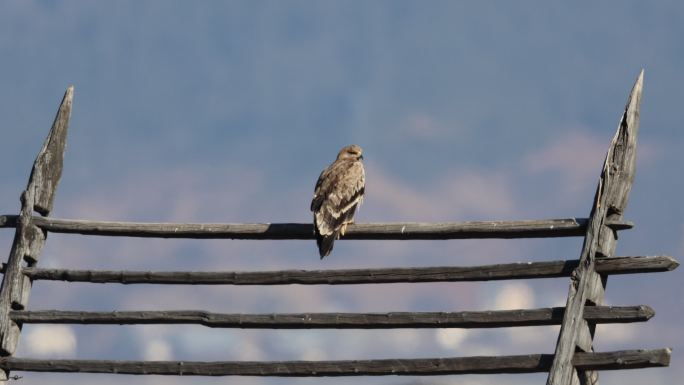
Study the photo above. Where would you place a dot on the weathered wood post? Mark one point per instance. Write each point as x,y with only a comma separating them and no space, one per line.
28,238
587,286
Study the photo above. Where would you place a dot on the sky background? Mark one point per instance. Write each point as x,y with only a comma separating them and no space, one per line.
227,112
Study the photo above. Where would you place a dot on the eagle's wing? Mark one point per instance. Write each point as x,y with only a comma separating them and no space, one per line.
339,190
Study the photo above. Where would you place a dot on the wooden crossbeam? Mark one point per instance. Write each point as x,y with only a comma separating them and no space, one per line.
524,270
545,228
531,363
464,319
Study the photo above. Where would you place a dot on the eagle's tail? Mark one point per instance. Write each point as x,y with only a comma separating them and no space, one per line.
325,243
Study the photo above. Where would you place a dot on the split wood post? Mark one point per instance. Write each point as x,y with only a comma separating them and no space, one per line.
29,239
586,284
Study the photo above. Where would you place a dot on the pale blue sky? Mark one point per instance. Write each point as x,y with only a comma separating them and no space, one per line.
227,111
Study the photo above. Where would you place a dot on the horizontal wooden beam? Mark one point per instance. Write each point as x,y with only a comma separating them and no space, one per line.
464,319
531,363
569,227
525,270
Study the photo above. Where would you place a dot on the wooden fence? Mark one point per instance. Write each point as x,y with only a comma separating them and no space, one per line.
573,362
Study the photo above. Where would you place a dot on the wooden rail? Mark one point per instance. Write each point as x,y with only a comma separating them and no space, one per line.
464,319
546,228
530,363
528,270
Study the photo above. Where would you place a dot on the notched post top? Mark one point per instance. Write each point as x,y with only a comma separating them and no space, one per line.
47,169
621,158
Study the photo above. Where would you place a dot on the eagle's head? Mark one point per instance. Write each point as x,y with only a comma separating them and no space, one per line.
351,152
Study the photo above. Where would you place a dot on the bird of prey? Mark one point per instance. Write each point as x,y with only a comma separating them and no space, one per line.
338,192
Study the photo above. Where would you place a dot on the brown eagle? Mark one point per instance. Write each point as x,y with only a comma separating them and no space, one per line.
338,192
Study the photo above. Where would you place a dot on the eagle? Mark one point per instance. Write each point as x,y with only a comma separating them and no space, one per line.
339,190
